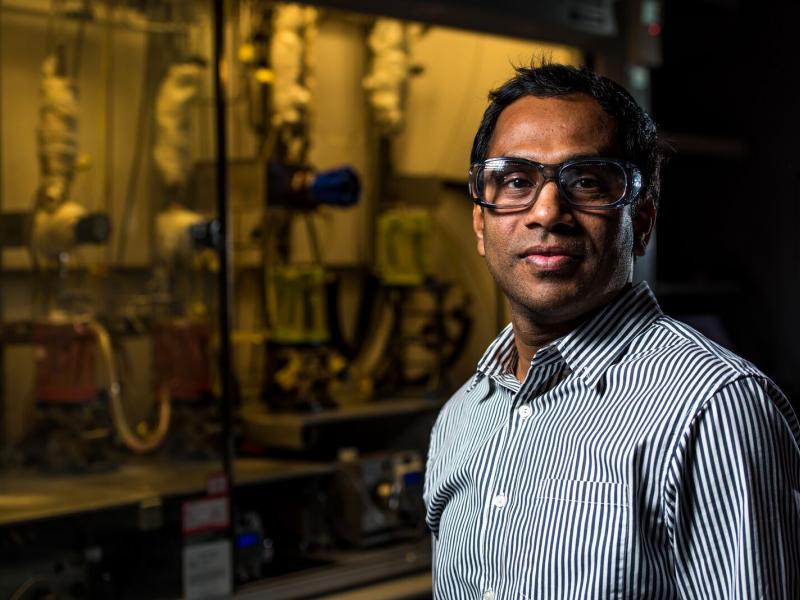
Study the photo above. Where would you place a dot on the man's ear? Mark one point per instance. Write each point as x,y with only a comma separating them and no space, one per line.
644,220
477,227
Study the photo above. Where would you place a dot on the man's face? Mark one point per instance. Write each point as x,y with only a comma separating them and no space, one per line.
553,262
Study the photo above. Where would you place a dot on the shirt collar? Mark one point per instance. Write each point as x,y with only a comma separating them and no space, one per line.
501,355
589,349
596,344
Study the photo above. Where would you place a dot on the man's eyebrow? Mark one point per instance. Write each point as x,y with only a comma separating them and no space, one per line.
575,156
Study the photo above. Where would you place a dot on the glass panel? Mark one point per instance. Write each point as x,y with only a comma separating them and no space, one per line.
356,313
112,475
359,304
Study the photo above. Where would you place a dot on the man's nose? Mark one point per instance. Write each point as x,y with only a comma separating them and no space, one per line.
549,210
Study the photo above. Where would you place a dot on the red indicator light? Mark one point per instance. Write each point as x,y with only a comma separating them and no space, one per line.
654,29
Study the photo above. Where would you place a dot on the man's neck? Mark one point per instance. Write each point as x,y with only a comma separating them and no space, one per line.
529,337
532,332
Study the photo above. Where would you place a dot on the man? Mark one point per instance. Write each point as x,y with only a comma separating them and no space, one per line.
602,449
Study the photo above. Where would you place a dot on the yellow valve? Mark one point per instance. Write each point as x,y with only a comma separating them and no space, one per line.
290,375
207,259
384,490
336,363
83,162
247,53
264,75
198,310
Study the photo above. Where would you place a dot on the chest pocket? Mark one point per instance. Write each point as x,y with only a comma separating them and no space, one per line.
583,528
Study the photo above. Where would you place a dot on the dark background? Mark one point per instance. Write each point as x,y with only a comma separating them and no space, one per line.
727,238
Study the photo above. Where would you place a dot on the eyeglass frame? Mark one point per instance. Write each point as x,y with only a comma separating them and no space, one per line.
552,172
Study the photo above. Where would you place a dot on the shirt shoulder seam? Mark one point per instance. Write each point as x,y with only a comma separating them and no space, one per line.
685,430
735,365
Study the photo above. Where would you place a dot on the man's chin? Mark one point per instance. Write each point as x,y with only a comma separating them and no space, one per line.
554,302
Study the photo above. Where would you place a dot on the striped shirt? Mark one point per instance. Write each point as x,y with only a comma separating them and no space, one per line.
637,459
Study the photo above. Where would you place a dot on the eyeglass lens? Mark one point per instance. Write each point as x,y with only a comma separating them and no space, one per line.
590,183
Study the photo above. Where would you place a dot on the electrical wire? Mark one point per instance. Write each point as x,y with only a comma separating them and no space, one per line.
375,346
313,238
132,441
107,122
79,39
143,126
26,586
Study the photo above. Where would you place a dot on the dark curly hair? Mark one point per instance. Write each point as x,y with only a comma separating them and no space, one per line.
635,131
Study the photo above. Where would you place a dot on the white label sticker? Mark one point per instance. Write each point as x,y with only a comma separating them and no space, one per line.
206,514
207,572
217,484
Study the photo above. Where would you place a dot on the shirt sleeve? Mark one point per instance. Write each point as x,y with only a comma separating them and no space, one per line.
732,499
429,461
431,453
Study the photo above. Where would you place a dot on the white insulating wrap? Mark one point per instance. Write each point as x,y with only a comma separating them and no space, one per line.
293,27
54,228
173,239
57,133
172,151
389,72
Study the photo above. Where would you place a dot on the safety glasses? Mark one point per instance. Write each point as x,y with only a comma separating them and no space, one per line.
509,183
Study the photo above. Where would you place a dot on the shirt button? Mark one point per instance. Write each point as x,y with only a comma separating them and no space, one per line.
488,595
499,501
524,411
